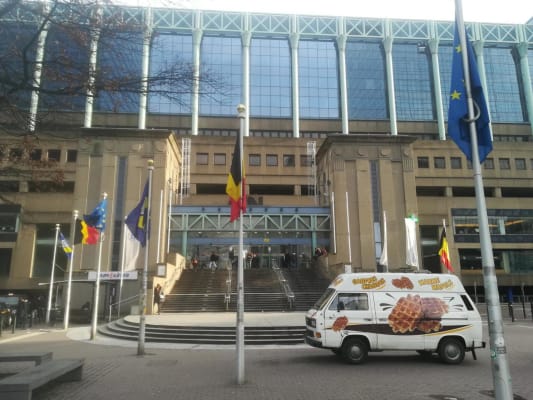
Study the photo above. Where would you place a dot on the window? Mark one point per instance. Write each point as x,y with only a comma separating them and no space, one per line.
350,302
36,154
367,86
72,156
489,163
318,80
54,154
202,159
520,163
254,160
456,162
288,160
272,160
423,162
439,162
306,161
505,163
219,159
5,262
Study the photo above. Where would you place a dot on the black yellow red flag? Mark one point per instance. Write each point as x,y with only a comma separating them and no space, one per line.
235,187
444,253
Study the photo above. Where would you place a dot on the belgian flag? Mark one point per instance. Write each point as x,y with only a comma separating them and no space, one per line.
235,187
84,233
444,253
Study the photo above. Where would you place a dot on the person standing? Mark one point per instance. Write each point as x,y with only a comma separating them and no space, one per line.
157,297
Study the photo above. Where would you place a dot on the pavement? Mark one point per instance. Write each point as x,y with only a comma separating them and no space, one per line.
113,369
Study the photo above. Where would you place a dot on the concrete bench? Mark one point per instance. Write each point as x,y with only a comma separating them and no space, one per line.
21,385
39,358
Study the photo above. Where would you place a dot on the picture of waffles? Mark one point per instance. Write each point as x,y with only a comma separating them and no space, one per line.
429,325
339,324
433,308
403,283
405,315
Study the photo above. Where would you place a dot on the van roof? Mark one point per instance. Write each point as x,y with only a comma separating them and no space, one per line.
377,281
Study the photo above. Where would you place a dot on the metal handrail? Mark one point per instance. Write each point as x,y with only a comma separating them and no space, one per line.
227,295
286,287
120,302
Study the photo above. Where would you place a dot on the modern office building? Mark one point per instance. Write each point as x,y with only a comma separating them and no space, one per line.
345,123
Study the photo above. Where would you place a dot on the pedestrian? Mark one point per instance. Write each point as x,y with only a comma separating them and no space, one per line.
194,263
158,292
213,261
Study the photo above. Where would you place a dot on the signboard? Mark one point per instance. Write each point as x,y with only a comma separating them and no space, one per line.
113,275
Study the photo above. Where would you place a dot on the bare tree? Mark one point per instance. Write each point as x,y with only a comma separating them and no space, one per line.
62,76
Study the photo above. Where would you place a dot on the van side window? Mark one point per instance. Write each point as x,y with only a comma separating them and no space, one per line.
467,302
350,302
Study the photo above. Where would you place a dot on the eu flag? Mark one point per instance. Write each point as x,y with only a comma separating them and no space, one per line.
458,126
137,219
97,217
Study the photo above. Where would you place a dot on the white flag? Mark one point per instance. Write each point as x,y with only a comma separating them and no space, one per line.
132,248
411,248
384,259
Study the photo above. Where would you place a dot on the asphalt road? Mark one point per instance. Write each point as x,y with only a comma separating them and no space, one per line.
113,370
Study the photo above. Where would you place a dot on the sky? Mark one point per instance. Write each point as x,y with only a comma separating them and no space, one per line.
497,11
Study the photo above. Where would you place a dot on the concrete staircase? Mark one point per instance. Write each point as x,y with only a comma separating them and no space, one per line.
212,335
307,286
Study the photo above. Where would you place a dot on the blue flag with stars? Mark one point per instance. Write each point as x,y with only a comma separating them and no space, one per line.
97,217
458,127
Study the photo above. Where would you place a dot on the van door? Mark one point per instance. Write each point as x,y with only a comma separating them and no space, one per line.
399,331
349,313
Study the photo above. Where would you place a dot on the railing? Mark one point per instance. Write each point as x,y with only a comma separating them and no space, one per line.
127,300
227,295
285,286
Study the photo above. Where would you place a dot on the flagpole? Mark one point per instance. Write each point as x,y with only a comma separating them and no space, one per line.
51,288
500,367
349,234
124,233
66,312
240,272
94,322
144,287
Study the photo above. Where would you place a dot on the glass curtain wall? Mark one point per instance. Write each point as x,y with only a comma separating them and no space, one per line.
270,78
366,81
412,82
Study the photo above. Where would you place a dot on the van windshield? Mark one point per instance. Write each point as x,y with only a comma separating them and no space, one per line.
324,299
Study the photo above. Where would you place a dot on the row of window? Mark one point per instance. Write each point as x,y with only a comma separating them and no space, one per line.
504,163
17,154
255,160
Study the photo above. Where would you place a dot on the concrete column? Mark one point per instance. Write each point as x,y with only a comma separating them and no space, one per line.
522,49
246,42
341,44
387,44
39,57
145,64
294,39
434,49
195,98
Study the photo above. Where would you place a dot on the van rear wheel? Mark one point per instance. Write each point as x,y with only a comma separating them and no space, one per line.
355,351
451,351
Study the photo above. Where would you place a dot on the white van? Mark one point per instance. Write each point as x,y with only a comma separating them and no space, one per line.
427,313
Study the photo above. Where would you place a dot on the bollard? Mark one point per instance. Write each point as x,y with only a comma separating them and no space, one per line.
13,323
531,309
1,324
524,309
511,312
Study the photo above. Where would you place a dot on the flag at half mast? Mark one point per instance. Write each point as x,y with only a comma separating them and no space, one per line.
444,252
137,219
235,187
458,123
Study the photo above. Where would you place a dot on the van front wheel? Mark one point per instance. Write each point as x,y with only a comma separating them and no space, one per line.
451,351
355,351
